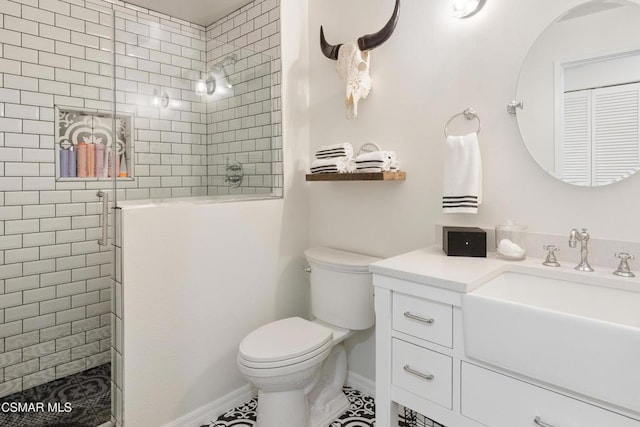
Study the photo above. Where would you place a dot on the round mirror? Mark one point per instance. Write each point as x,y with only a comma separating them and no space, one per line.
580,87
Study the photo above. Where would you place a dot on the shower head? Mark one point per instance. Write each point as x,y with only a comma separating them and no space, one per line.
218,81
229,60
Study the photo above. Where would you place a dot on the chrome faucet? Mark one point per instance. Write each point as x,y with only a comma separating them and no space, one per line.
583,237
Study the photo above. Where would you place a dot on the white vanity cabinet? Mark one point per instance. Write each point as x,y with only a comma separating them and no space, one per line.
417,359
500,401
422,318
421,363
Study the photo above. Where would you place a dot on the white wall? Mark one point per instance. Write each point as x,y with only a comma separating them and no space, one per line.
217,271
431,68
192,291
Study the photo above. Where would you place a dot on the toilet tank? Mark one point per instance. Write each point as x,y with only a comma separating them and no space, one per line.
341,288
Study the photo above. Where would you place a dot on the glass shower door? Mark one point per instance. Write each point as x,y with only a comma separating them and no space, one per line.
58,135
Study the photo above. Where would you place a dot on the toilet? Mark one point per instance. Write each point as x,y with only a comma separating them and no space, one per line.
299,366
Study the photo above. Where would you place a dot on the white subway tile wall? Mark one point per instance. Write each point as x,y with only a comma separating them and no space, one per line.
59,307
247,127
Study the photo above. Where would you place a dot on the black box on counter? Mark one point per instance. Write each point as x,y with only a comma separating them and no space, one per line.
464,241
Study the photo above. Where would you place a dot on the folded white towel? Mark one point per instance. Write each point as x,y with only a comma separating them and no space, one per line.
462,180
369,170
344,149
382,160
333,165
394,168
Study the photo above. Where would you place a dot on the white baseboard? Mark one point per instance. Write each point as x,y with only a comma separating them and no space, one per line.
361,383
213,410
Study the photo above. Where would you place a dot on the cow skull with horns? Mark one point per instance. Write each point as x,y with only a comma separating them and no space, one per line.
353,61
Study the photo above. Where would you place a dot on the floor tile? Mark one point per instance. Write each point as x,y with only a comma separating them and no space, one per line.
87,392
361,413
95,382
39,419
61,391
80,416
101,406
21,419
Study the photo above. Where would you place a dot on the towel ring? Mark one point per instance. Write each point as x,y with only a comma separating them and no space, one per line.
468,114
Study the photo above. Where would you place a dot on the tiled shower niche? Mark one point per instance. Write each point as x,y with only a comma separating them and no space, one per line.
85,143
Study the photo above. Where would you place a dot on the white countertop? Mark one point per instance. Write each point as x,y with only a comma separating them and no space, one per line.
431,266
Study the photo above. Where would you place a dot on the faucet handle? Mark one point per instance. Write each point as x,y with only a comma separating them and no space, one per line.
624,256
623,269
551,260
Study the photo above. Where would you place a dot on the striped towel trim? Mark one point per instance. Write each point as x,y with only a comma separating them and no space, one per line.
328,154
332,150
459,202
358,162
325,169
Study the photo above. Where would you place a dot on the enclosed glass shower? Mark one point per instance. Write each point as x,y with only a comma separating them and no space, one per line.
103,102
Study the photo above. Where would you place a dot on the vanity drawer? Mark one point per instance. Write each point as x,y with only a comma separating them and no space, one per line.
497,400
421,318
422,372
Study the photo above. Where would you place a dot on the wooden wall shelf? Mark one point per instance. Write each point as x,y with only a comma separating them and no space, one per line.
375,176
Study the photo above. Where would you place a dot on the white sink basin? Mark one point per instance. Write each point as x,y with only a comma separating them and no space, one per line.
580,337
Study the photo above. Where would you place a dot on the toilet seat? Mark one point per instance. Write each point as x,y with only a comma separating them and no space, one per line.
283,343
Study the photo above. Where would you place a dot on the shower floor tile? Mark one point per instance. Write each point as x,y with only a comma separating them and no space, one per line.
88,393
361,413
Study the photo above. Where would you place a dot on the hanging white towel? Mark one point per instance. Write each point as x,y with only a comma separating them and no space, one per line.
462,180
333,165
376,161
344,149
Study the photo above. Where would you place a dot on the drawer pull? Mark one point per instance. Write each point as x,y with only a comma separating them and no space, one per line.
408,315
538,421
428,377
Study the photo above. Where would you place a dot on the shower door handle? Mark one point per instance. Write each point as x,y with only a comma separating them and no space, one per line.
105,218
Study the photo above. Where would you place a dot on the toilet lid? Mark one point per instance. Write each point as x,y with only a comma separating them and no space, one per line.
283,340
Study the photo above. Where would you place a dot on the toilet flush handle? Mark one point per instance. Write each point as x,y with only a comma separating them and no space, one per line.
307,268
